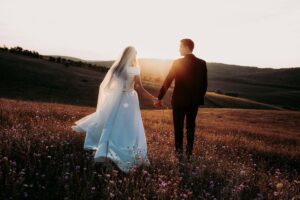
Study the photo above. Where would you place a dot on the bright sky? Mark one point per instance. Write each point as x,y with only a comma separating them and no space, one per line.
264,33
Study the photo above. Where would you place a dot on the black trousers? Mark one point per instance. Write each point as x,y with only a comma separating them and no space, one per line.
179,114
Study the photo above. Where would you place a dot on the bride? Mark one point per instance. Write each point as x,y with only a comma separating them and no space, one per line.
115,130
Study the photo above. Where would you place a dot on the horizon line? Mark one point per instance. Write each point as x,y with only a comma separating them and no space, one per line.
151,58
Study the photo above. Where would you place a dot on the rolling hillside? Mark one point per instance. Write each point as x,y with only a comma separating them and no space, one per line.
280,87
23,77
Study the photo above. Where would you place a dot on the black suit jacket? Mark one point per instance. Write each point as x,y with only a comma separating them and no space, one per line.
190,74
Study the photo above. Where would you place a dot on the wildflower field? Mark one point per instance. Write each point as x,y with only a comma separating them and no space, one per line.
238,154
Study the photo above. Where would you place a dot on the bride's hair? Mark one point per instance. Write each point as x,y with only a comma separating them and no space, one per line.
119,65
126,59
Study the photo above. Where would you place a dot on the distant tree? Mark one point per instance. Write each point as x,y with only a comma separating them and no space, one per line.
35,54
4,48
16,49
51,59
58,59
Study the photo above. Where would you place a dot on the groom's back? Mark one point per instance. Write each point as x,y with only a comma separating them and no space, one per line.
190,81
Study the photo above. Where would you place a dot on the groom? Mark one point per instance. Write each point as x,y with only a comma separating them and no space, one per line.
190,74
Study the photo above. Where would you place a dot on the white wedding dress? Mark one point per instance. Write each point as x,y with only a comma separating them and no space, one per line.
118,135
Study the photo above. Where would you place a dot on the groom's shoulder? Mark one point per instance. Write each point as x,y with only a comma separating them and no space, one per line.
201,61
183,60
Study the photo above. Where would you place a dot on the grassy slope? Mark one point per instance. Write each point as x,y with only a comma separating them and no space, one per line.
238,154
279,87
22,77
224,101
35,79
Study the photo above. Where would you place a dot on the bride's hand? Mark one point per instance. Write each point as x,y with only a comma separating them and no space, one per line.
154,101
157,103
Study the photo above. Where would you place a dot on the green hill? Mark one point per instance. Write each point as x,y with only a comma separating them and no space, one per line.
280,87
24,77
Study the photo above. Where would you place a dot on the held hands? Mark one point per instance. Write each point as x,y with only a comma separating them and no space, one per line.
157,103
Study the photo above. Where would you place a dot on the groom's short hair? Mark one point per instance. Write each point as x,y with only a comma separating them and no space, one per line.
188,42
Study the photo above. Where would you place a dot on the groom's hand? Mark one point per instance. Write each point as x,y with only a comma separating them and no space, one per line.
160,104
157,103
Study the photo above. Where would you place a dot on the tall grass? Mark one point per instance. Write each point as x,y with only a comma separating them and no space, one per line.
238,154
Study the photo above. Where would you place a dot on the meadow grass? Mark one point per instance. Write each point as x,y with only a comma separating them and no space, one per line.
238,154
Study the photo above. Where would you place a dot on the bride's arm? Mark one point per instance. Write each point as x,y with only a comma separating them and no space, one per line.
138,86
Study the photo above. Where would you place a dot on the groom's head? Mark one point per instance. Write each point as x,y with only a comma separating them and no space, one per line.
186,46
